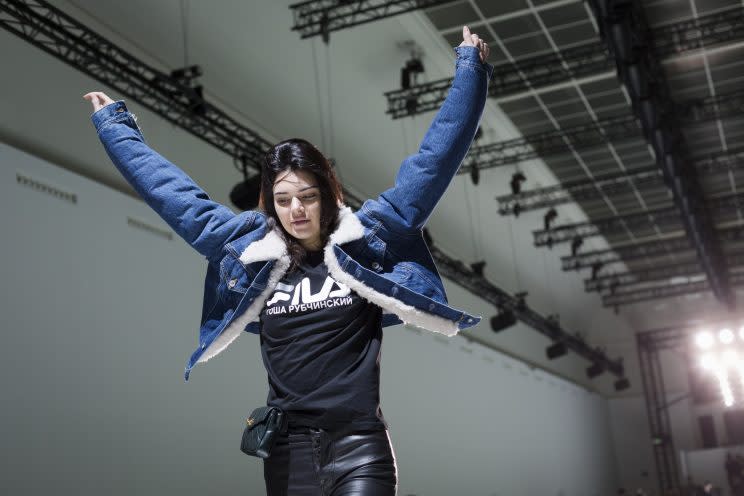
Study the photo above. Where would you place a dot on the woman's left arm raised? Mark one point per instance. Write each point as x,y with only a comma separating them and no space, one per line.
424,176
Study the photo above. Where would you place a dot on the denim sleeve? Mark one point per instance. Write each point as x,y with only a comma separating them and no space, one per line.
424,176
205,224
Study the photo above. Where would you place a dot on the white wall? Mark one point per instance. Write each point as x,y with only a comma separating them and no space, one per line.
99,319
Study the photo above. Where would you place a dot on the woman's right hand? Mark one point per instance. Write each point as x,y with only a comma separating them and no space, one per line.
99,99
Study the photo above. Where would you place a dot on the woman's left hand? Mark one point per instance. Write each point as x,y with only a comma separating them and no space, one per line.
473,40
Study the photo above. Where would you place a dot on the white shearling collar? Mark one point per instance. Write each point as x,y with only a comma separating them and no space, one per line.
273,247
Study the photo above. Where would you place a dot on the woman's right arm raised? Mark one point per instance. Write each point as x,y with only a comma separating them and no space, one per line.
205,224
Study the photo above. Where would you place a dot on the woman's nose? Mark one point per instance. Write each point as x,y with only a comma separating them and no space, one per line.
297,205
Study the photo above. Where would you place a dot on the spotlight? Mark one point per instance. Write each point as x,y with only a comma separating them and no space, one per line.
726,336
707,362
245,194
521,299
516,182
503,320
704,340
549,217
594,370
596,267
412,68
622,384
477,267
474,173
411,104
576,244
729,358
556,350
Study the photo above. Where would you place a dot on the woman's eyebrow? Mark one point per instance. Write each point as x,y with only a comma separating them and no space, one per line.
277,193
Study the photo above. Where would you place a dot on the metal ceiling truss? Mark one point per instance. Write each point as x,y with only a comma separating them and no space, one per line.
592,134
584,189
676,245
620,298
623,28
65,38
584,60
724,207
594,188
321,17
609,284
508,79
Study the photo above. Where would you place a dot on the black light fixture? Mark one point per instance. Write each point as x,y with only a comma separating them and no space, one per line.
516,182
596,267
595,369
194,93
576,244
549,217
245,194
477,267
474,173
556,350
503,320
521,299
621,384
409,71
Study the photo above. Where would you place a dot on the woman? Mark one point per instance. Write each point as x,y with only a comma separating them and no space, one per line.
317,281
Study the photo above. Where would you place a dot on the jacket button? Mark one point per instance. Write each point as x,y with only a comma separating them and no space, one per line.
394,291
431,306
376,266
203,345
231,284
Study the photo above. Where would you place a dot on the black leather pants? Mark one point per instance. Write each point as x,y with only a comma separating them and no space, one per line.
319,463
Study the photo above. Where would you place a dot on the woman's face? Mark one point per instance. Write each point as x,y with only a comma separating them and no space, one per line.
297,203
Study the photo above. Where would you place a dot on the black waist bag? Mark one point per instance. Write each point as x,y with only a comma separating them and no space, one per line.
264,425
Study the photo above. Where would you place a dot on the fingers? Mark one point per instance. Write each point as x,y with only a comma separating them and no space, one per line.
472,39
98,99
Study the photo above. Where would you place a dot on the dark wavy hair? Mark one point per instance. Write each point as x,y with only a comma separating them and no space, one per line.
298,154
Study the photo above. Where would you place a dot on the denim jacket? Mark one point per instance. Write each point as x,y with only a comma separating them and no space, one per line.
378,251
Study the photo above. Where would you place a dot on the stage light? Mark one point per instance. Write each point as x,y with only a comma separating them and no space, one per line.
516,182
477,267
245,194
729,358
704,340
594,370
621,384
726,336
707,362
556,350
503,320
474,174
728,395
548,219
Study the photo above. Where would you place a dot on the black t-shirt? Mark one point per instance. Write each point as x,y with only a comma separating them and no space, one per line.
320,343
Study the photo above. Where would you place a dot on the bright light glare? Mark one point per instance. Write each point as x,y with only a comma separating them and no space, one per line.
729,358
728,395
741,333
707,362
704,340
726,336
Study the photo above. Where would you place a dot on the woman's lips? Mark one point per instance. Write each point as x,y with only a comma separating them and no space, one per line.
300,222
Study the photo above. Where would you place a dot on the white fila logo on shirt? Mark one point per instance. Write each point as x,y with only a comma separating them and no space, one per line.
301,292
